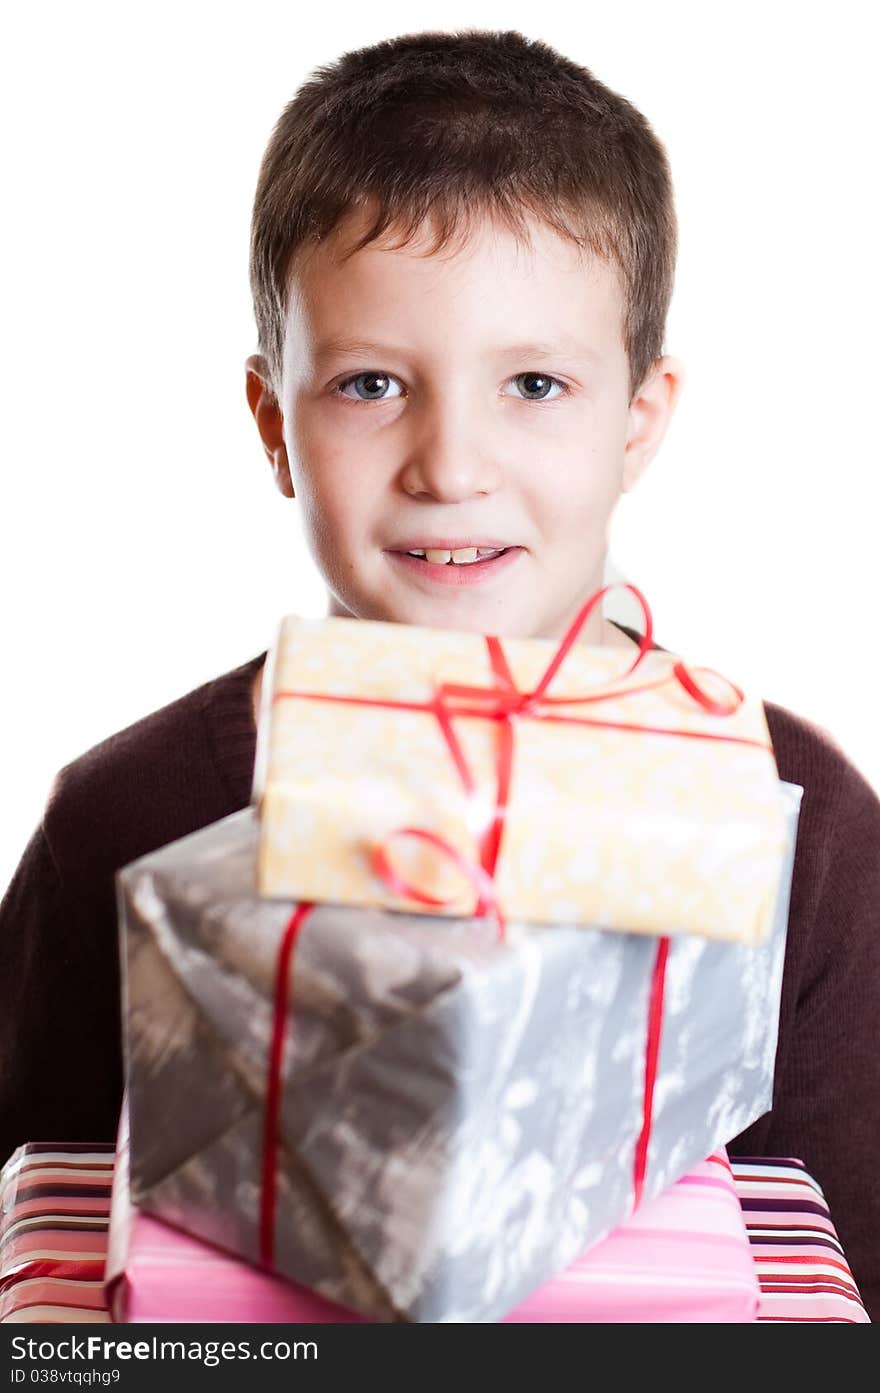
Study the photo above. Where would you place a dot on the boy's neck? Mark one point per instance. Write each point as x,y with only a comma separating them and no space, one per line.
613,637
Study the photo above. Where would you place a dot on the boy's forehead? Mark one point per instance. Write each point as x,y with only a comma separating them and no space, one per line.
541,283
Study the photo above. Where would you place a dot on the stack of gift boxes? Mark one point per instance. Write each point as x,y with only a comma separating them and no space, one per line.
453,1016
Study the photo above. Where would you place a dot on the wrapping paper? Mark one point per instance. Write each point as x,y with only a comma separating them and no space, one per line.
684,1256
459,1117
629,829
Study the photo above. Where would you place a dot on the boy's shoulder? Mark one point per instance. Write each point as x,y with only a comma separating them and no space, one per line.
177,769
835,894
835,790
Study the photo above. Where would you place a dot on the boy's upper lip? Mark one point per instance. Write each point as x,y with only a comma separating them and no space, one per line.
450,544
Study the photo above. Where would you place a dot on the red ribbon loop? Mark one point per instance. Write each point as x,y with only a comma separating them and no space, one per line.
711,704
479,878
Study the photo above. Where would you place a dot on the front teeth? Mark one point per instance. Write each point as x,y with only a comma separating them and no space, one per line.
464,556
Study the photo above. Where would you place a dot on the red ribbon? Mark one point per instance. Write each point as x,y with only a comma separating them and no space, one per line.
504,702
652,1057
273,1086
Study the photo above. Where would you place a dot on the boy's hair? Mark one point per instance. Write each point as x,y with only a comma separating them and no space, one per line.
453,127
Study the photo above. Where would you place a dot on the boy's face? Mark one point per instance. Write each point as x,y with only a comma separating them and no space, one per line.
473,398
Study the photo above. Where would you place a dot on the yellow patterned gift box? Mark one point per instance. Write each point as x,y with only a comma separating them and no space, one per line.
551,782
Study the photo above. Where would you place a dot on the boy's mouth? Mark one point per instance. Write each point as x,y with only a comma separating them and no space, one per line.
458,562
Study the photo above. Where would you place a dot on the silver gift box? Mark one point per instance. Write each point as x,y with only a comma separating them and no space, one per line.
459,1115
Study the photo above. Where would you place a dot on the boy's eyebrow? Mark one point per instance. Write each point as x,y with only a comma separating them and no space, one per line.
566,346
570,348
342,343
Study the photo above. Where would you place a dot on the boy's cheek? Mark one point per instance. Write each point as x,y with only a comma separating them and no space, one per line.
337,525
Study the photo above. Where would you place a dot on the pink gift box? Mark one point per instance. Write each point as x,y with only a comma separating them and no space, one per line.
684,1256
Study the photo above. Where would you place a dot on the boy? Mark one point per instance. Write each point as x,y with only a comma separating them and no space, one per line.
462,257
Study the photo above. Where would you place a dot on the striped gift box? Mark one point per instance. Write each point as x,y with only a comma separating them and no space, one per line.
55,1209
54,1215
801,1266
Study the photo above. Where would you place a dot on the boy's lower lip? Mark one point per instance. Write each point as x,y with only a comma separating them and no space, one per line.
451,574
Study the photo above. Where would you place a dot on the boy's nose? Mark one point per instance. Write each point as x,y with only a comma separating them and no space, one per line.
450,461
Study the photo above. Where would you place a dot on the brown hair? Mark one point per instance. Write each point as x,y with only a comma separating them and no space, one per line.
448,127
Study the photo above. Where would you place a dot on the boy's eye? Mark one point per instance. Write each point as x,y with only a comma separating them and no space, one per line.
537,385
371,386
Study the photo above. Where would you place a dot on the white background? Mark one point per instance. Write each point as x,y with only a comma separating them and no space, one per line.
144,547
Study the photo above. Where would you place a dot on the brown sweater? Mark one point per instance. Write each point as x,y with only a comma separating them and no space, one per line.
192,763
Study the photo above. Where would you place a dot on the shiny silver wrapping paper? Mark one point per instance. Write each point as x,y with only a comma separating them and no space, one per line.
459,1116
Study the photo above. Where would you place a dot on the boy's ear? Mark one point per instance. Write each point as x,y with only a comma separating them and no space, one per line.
650,412
270,422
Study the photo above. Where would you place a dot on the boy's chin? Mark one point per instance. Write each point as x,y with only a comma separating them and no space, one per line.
469,619
468,612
